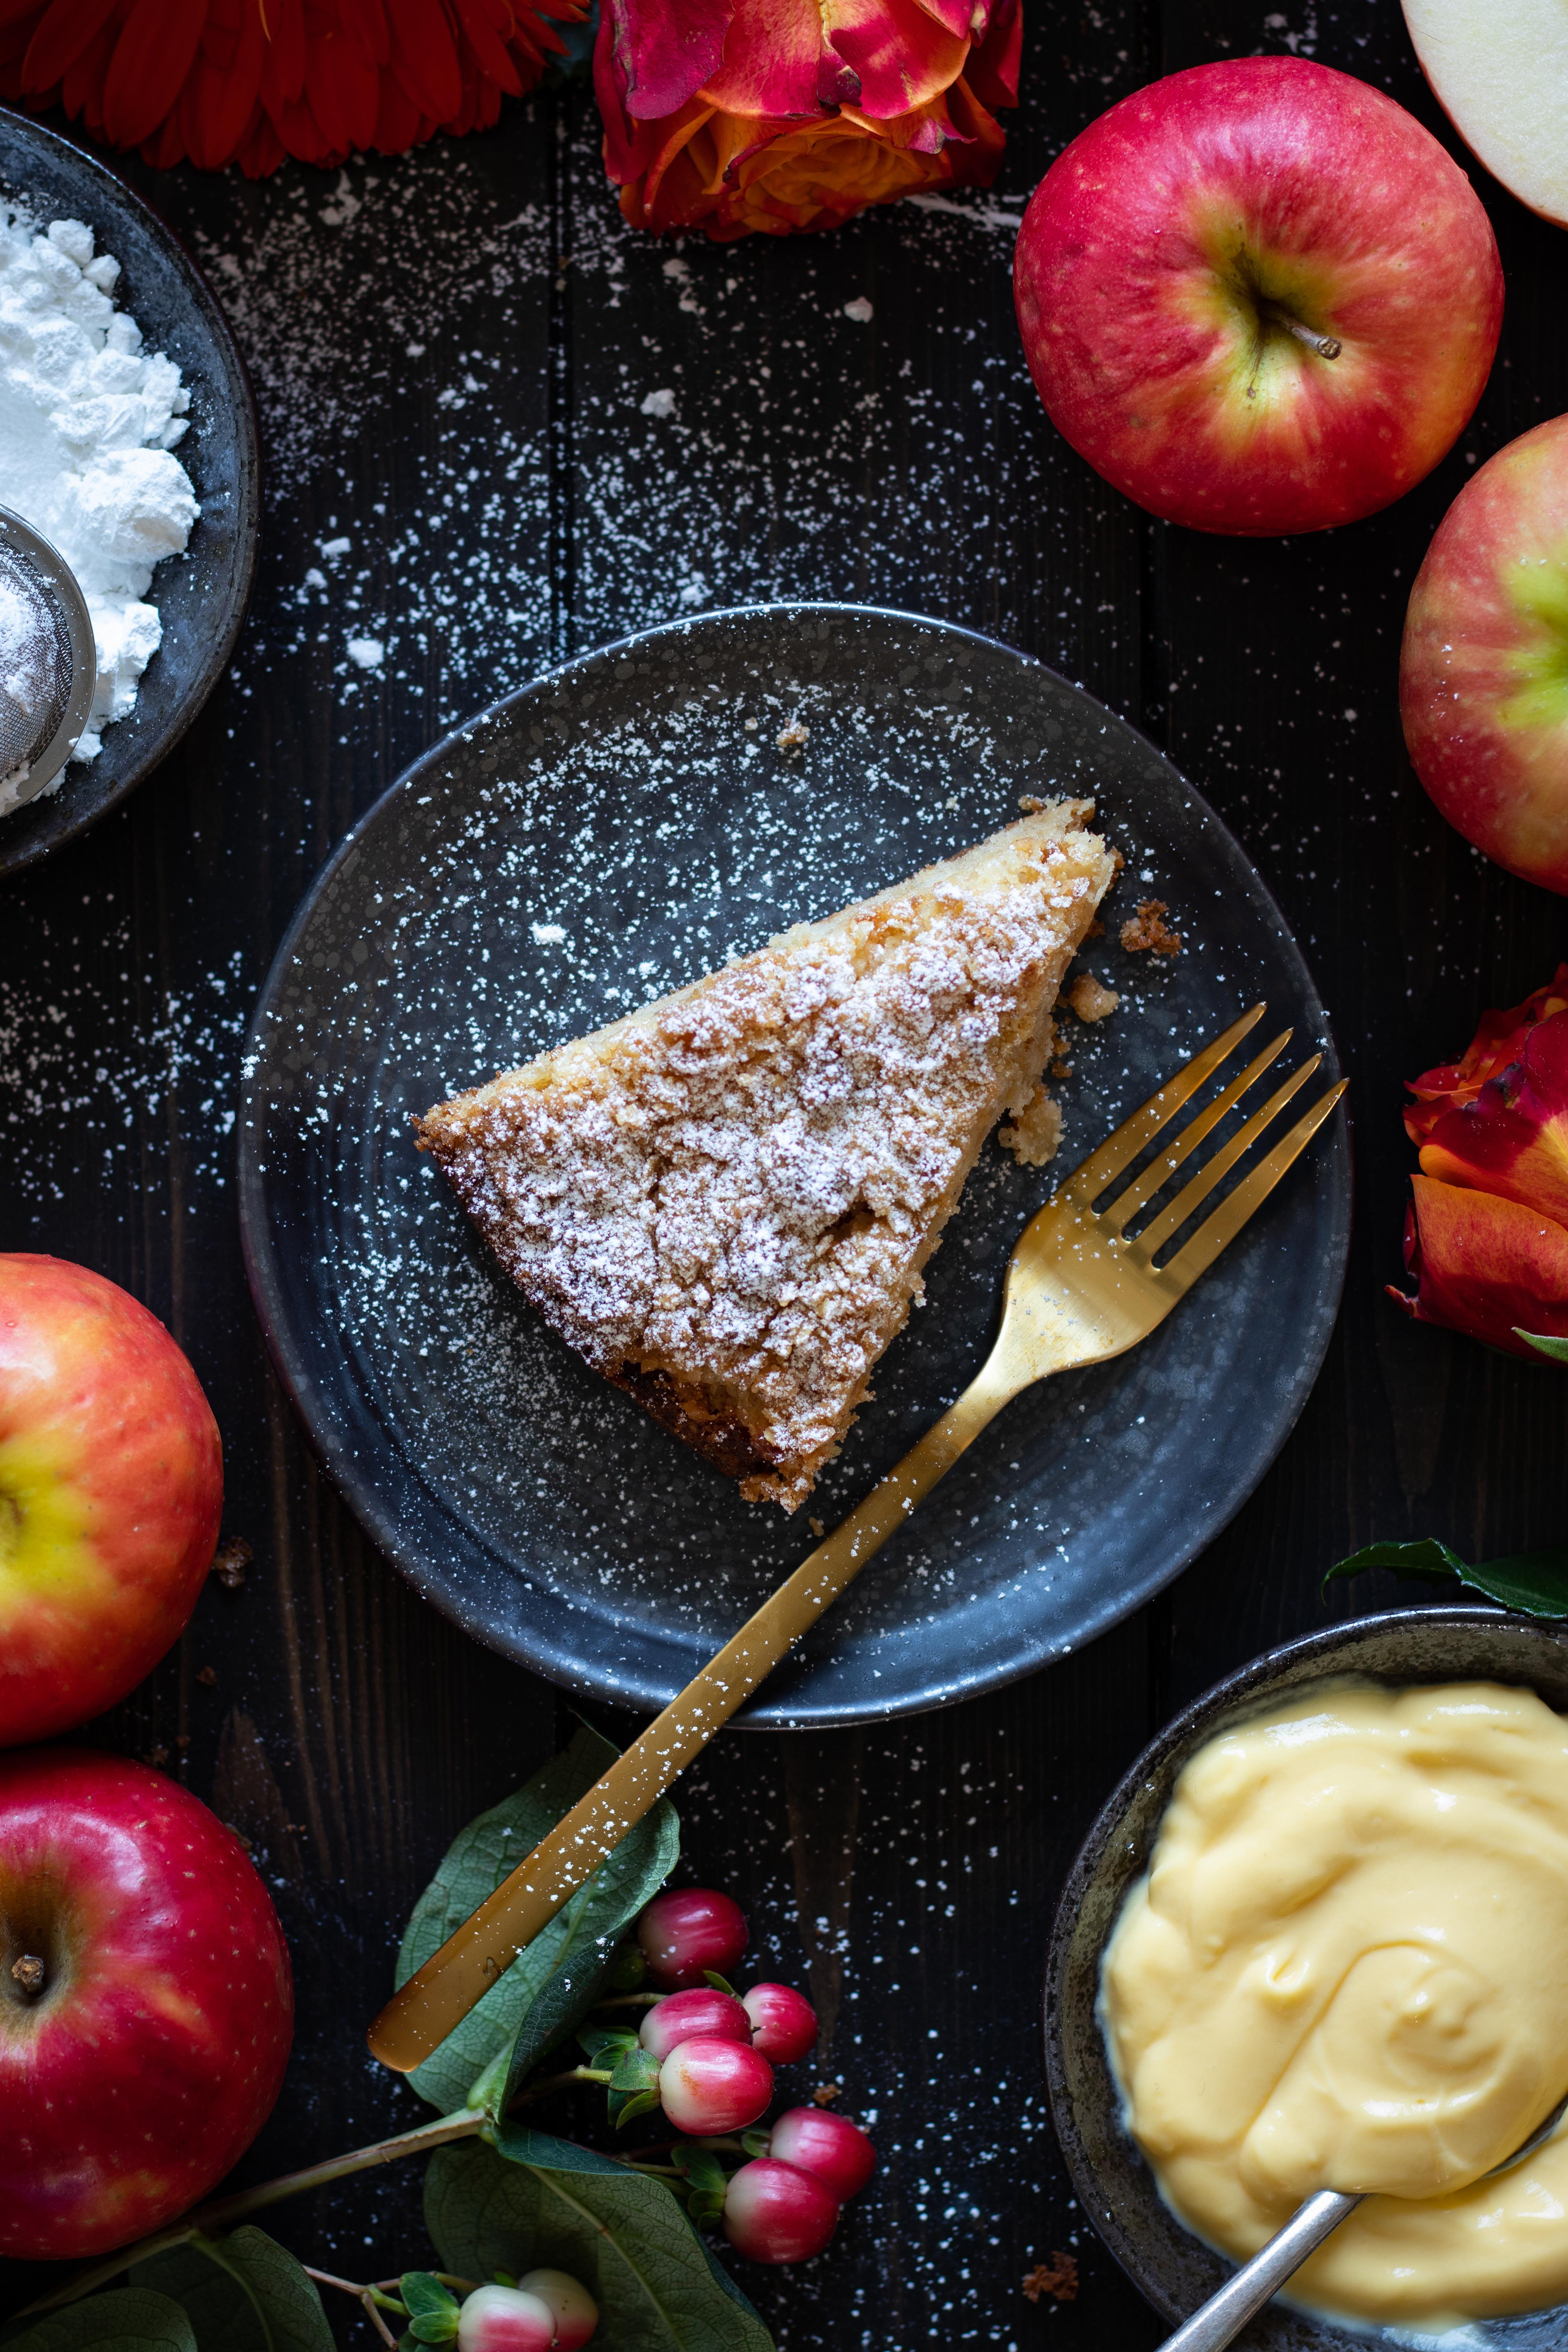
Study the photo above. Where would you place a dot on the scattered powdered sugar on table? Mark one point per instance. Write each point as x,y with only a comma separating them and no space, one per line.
88,425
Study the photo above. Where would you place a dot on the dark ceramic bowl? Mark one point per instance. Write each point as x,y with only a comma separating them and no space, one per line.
201,594
1176,2271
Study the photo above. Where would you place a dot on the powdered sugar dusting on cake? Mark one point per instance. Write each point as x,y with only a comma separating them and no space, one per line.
735,1190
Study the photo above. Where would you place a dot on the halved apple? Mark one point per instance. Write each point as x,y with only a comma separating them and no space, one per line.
1498,69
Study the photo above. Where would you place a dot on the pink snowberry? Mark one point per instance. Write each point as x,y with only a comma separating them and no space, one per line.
685,1933
505,2319
705,2086
682,2016
773,2212
829,2145
784,2022
576,2313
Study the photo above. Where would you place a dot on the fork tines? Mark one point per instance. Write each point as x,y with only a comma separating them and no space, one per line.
1120,1150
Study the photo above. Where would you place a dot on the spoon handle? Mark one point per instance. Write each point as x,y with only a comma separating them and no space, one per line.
1225,2314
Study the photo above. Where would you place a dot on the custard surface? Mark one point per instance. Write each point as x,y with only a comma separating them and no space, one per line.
1347,1967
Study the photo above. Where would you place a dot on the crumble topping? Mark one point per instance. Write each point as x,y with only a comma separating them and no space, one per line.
723,1201
1148,929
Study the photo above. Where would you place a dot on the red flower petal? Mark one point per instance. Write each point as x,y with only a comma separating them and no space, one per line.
1498,1042
425,55
220,34
151,57
342,90
992,71
82,89
367,18
218,108
66,28
490,51
262,152
167,146
283,75
963,18
901,57
1512,1137
978,142
1486,1267
775,59
397,123
630,145
662,51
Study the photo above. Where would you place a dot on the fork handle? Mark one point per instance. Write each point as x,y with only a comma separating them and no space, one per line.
438,1995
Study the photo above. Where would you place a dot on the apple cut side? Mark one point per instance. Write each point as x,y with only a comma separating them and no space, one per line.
1498,69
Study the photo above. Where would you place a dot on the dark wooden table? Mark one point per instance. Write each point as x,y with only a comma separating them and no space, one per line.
453,353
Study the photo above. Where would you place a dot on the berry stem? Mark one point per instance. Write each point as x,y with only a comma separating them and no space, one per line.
560,2082
373,2298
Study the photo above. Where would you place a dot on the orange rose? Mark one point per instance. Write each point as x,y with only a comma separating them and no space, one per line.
253,80
1487,1234
774,115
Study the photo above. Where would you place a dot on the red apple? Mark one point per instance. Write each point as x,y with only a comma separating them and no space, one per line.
111,1494
145,2002
1259,297
1483,671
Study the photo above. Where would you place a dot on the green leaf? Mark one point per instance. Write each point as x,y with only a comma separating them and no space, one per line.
622,2234
1426,1557
244,2292
521,2144
424,2295
635,2069
627,2106
601,2041
130,2319
432,2307
552,1984
700,2166
1535,1582
1556,1348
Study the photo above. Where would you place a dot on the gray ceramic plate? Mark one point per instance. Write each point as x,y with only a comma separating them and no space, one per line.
592,842
201,594
1115,2187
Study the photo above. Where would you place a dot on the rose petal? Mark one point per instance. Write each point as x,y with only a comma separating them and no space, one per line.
664,51
992,71
1512,1137
901,56
1499,1040
773,59
1485,1265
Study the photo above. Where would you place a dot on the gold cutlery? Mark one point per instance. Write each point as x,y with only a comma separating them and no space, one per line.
1077,1290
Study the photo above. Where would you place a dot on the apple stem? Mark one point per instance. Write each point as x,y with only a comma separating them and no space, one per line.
225,2211
28,1972
1328,347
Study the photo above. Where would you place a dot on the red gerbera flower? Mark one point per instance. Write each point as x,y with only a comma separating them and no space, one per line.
255,81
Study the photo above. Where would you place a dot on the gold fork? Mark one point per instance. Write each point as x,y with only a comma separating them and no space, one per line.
1078,1291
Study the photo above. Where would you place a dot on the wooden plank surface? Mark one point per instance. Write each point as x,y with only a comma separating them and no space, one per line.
453,354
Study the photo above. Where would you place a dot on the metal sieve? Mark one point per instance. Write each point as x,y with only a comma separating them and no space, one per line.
48,663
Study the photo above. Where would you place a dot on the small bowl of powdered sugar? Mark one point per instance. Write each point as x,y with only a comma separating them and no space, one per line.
128,440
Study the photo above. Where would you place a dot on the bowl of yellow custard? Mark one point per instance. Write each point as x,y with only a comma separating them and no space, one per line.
1318,1938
